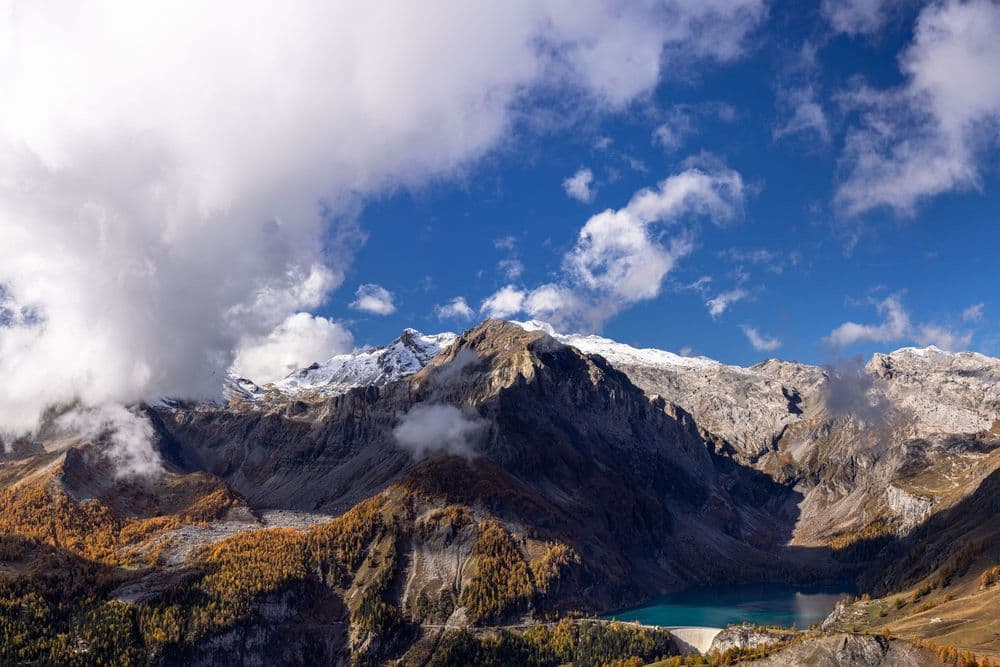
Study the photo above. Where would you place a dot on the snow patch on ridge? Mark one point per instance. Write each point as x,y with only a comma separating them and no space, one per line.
621,353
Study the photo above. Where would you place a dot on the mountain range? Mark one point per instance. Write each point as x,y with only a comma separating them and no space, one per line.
386,504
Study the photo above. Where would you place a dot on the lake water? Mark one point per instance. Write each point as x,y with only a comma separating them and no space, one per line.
718,606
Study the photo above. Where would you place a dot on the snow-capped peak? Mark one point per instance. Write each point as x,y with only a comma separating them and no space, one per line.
619,353
379,365
239,386
920,351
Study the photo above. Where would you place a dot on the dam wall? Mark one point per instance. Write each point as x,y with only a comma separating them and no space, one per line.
693,639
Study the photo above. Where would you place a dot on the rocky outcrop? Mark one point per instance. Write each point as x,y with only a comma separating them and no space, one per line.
746,636
911,509
855,650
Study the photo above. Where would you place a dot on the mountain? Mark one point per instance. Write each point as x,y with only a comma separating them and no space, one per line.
377,366
364,508
339,374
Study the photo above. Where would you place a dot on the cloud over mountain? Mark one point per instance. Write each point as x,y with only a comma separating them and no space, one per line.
176,181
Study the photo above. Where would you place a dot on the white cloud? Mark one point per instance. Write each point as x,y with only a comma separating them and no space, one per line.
973,313
505,243
856,17
374,299
175,179
760,342
806,114
897,326
620,253
580,186
894,326
431,429
930,135
943,337
503,303
510,266
621,256
720,303
295,343
557,304
457,309
797,98
674,130
125,438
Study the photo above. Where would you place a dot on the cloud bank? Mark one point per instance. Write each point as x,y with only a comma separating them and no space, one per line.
177,179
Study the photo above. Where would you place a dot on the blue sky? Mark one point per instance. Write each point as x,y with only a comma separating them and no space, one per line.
805,265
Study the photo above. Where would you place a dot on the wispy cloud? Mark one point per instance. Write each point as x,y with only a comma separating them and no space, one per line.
859,17
797,97
680,122
760,342
721,303
510,266
973,313
897,326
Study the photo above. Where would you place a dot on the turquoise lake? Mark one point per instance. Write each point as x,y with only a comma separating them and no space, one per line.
718,606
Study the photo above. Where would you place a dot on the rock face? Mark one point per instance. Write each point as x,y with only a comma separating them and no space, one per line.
836,454
944,392
747,407
854,650
746,636
910,508
886,442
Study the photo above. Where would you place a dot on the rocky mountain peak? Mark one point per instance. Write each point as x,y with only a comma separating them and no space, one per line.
377,366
